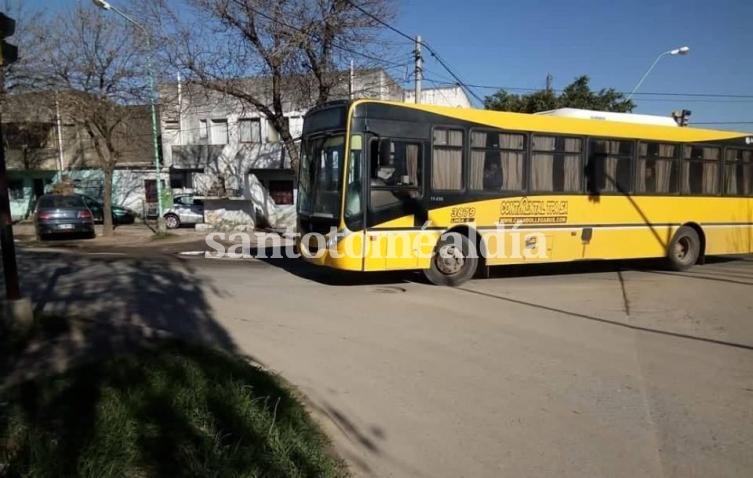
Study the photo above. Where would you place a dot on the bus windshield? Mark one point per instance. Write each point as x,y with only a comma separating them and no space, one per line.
321,174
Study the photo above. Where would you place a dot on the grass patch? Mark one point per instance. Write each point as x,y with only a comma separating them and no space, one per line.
158,236
172,411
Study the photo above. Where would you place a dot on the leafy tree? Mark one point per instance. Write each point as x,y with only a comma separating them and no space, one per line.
97,65
295,48
577,94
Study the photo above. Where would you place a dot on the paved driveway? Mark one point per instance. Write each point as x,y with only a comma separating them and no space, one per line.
550,371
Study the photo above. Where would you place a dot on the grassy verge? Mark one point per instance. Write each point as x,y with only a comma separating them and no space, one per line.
159,236
170,411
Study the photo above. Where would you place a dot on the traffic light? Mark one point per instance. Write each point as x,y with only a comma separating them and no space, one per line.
681,117
8,52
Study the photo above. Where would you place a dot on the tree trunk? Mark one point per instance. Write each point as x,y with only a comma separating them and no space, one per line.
107,201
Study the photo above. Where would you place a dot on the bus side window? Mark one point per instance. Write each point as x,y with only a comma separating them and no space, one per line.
394,171
609,167
701,170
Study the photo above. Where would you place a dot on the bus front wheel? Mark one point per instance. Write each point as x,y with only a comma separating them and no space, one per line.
684,249
455,260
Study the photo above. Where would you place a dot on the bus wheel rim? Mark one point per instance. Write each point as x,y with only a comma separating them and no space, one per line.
682,248
450,260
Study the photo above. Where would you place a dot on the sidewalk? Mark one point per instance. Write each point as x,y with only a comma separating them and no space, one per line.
137,235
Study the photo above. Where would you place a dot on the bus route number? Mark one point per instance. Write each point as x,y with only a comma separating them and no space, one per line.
462,214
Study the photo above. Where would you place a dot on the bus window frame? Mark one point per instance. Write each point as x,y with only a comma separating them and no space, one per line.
724,168
465,154
583,157
366,175
719,178
678,160
633,164
467,164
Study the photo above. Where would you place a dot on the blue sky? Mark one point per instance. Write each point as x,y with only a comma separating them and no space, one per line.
613,41
515,44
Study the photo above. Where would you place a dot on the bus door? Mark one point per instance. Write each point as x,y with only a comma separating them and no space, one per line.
394,210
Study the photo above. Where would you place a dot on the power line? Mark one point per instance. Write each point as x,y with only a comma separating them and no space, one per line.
722,122
428,47
316,37
690,95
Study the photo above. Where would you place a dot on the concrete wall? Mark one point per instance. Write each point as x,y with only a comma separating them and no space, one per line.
230,214
453,96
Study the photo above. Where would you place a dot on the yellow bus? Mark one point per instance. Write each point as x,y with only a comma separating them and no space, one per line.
452,191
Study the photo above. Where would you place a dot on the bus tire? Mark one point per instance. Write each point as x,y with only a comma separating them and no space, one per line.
684,249
454,261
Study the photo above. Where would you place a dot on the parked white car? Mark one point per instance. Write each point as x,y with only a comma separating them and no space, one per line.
186,209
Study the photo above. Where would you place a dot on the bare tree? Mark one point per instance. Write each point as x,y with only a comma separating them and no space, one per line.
97,64
296,48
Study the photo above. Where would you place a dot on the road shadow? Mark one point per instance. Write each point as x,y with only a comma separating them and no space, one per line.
598,266
288,261
109,304
326,276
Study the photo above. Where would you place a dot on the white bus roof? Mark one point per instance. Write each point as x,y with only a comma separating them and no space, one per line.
609,116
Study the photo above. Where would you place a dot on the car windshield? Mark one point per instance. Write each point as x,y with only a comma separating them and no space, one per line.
60,202
320,178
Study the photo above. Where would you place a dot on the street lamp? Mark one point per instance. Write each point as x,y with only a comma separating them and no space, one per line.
103,4
682,51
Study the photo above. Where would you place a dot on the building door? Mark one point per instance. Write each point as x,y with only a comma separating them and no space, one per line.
38,187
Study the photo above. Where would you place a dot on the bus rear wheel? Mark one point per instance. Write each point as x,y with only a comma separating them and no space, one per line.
684,249
455,260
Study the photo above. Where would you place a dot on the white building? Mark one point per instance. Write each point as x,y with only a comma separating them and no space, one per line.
452,95
210,139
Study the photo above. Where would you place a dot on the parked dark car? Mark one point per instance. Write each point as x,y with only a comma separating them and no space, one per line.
57,214
120,215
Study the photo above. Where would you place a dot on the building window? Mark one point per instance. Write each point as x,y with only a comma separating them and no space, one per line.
16,189
497,161
172,125
219,133
738,172
272,135
657,171
701,170
203,134
250,130
182,178
556,164
609,165
281,191
447,160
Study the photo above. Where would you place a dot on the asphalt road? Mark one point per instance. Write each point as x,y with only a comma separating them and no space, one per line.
588,370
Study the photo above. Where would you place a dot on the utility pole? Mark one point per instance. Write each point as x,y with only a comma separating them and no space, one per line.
60,136
419,69
549,79
17,309
12,290
351,79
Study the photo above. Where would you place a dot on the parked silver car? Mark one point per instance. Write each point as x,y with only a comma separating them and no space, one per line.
186,209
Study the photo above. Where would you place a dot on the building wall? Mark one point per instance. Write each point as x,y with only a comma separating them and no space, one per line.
453,96
21,191
43,144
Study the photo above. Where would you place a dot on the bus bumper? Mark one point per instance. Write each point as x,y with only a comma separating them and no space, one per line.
342,256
